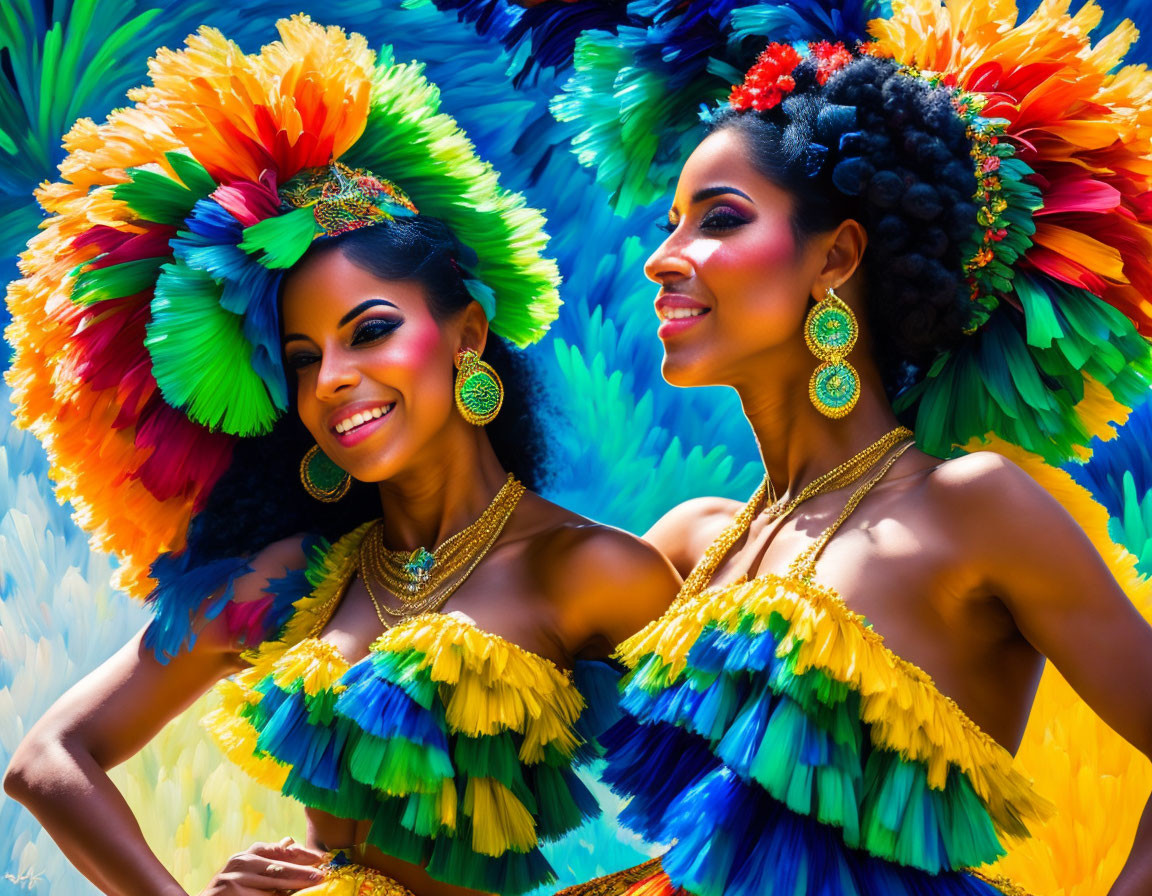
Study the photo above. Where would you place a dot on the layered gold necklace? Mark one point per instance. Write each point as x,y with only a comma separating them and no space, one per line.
422,580
851,471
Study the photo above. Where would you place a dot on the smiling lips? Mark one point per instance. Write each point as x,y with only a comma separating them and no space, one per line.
359,421
361,417
677,313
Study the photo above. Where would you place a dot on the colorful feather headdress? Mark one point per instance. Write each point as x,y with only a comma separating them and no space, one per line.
1061,252
145,328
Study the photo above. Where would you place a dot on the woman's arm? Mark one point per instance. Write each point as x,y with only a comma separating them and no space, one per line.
59,770
1065,601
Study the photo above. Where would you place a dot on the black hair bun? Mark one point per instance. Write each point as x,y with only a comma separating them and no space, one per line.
903,169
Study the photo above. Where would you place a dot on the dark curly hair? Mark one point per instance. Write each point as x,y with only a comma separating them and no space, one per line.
888,150
259,499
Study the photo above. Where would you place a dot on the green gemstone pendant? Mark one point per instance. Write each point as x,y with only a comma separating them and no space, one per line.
418,568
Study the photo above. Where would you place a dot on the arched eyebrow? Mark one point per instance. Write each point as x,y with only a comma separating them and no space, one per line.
710,192
362,307
350,316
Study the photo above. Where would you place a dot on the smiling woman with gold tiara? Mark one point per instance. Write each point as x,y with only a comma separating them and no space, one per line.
411,682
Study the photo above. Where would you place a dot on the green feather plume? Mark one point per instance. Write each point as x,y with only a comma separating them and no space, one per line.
281,241
156,197
195,346
408,140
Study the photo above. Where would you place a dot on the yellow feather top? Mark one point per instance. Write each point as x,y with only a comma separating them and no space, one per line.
486,684
489,684
906,711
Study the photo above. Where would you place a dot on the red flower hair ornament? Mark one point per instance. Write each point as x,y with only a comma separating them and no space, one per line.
770,79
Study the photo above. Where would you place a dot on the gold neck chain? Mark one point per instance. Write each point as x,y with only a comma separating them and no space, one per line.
851,471
804,566
423,580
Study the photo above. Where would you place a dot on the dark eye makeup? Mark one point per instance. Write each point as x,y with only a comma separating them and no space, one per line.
719,218
300,360
367,331
373,328
722,218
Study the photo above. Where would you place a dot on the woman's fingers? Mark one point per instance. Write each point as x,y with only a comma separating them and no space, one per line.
289,879
265,867
288,850
265,876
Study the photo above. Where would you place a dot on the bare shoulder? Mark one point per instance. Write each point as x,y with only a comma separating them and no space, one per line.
684,532
581,550
604,582
274,561
985,478
994,505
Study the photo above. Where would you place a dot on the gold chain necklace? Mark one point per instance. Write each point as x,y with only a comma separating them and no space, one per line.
805,565
844,475
421,585
852,470
411,575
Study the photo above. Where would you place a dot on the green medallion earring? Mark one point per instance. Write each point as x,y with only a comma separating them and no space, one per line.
479,392
830,331
322,479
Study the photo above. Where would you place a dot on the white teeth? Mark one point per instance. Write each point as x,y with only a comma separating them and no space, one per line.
360,418
681,313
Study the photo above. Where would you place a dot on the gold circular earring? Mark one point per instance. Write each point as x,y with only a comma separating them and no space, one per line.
830,331
322,479
479,392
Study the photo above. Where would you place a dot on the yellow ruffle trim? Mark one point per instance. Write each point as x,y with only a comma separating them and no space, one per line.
354,880
314,664
236,737
319,664
489,684
906,711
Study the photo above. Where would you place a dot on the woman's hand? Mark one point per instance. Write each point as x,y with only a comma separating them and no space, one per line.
267,868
